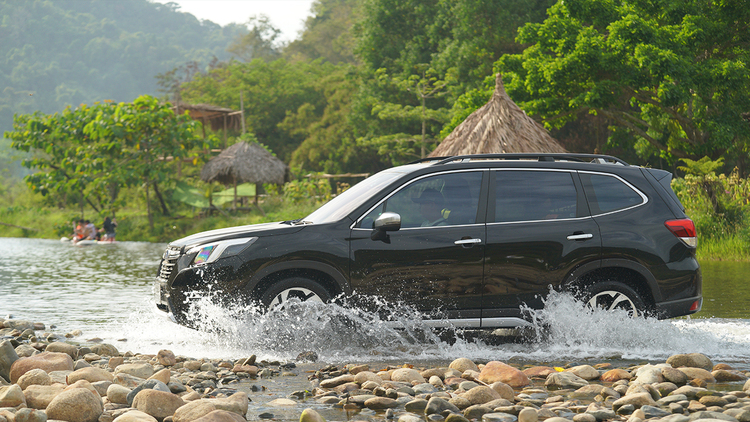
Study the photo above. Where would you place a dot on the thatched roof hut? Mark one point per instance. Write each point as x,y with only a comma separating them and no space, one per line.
244,163
499,126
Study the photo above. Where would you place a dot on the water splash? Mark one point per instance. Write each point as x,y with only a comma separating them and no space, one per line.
565,330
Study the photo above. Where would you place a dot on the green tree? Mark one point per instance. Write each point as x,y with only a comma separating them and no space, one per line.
260,43
670,76
327,33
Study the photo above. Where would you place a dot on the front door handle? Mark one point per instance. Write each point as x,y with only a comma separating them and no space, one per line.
467,241
580,236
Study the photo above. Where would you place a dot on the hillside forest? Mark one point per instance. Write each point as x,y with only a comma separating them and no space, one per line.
366,85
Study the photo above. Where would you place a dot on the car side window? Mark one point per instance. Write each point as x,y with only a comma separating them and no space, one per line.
441,200
534,195
607,193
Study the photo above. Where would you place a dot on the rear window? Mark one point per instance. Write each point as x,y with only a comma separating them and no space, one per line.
607,193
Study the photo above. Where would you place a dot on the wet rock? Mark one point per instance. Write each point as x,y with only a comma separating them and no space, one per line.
12,396
614,375
158,404
381,403
674,376
654,412
562,380
637,400
698,373
709,401
8,355
586,372
460,402
455,417
30,415
335,382
365,376
407,375
47,361
410,417
463,364
648,374
723,375
691,360
689,391
310,415
539,372
416,405
496,371
499,417
138,369
476,411
105,349
134,416
60,347
600,412
75,405
438,405
90,374
34,377
528,415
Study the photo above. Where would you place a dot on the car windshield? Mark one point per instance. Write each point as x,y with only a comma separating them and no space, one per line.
342,205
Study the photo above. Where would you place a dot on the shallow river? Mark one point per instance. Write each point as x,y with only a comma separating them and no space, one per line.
105,291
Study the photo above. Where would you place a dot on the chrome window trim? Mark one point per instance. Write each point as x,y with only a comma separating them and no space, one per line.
636,190
361,217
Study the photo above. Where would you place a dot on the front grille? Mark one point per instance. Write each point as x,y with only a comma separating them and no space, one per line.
169,260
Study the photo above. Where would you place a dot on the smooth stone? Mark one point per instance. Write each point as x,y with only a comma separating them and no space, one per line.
61,347
166,358
335,382
30,415
409,417
672,398
221,416
407,375
436,382
282,402
101,387
711,415
638,400
310,415
455,417
481,395
118,394
163,375
723,375
460,402
75,405
137,369
698,373
564,380
689,391
539,372
654,412
12,396
499,417
158,404
367,376
127,380
586,372
742,415
34,377
674,418
90,374
237,403
104,349
665,388
8,355
709,401
693,360
614,375
476,411
47,361
528,415
416,405
463,364
193,410
134,416
495,371
438,405
506,391
147,385
425,388
584,417
648,374
40,396
467,385
381,403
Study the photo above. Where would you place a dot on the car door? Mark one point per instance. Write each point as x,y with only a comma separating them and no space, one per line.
538,230
433,262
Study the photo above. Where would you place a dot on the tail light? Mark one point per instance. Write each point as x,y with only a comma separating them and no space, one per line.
684,229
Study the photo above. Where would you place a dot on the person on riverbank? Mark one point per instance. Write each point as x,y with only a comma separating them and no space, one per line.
79,231
89,230
109,226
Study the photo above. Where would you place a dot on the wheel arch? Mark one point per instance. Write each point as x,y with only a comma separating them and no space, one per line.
322,273
630,273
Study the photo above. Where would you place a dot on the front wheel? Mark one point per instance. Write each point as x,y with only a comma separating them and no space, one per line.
610,295
303,289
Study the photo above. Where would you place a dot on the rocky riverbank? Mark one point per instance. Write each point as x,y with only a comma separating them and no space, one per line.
46,376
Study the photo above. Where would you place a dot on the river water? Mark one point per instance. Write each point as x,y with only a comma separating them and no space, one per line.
105,291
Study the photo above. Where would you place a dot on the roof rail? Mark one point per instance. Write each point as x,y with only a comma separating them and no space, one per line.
540,156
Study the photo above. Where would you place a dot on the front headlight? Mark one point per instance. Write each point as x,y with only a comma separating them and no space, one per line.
205,254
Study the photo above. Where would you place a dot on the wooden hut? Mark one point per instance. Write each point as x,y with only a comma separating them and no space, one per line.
244,163
499,126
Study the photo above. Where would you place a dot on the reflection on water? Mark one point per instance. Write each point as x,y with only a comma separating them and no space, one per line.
105,290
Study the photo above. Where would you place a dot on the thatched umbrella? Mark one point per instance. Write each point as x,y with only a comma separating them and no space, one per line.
244,163
499,126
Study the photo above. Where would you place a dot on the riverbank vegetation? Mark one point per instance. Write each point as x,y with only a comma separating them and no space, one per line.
376,83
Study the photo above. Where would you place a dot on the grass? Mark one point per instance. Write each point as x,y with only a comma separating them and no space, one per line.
728,248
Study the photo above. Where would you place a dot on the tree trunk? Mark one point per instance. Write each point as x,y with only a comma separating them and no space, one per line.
164,209
148,209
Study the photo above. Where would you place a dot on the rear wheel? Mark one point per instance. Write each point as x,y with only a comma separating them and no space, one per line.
301,288
611,295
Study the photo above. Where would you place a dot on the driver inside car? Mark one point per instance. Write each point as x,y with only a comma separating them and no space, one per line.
431,205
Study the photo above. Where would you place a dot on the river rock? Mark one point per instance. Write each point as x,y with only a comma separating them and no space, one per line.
193,410
75,405
502,417
698,373
481,395
166,358
709,401
586,372
26,350
539,372
438,405
463,364
407,375
654,412
8,355
689,391
562,380
61,347
12,396
506,391
476,411
136,369
335,382
40,396
496,371
134,416
90,374
528,414
104,349
381,403
127,380
237,403
708,416
614,375
455,417
742,415
637,400
158,404
148,385
691,360
675,376
118,394
648,374
34,377
251,370
164,376
47,361
30,415
365,376
724,375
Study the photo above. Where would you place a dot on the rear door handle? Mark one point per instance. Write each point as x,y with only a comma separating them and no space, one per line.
467,241
580,236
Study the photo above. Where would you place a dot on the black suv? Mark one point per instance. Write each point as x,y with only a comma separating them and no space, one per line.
466,239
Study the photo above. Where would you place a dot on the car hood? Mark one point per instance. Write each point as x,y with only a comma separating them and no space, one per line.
266,229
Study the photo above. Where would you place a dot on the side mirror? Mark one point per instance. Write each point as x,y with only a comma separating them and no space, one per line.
386,222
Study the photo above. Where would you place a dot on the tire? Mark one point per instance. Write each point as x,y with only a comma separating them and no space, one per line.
300,288
609,295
